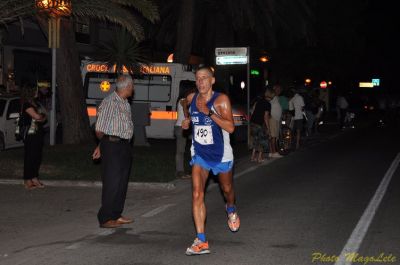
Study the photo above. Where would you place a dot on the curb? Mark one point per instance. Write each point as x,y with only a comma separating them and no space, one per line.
91,184
139,185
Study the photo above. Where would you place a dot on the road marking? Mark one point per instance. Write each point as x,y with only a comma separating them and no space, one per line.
158,210
244,172
95,235
359,232
250,169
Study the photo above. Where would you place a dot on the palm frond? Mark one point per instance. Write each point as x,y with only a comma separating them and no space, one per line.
123,51
12,10
108,11
146,7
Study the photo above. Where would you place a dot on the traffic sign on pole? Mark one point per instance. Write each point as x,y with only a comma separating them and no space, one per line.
231,55
234,56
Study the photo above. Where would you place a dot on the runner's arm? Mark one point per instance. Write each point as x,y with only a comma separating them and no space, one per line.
224,117
186,121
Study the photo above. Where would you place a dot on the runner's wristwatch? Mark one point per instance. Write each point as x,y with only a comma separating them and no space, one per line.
210,113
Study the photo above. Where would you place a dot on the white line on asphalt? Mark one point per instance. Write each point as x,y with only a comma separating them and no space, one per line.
158,210
246,171
238,175
101,233
356,238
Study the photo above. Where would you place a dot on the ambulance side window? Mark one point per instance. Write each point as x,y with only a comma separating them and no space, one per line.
155,88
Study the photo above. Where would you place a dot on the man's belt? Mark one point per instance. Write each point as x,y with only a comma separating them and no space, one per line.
116,139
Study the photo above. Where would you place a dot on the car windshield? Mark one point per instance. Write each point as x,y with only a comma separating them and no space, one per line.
2,106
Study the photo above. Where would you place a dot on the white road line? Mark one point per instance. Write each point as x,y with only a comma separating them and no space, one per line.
250,169
244,172
359,232
158,210
101,233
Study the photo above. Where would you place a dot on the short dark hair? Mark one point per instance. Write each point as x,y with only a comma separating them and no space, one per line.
206,68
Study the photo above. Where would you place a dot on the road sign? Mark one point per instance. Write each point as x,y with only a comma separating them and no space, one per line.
231,56
376,82
255,72
227,60
366,84
233,51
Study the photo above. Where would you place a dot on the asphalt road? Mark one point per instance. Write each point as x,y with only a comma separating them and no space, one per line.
301,209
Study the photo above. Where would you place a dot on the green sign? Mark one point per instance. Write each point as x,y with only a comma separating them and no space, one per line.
254,72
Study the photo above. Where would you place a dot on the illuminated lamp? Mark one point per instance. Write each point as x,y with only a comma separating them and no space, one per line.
170,58
264,59
323,84
55,7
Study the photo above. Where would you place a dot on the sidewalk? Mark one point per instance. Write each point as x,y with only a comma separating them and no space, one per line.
242,164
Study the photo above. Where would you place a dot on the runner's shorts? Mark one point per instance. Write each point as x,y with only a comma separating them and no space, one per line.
222,167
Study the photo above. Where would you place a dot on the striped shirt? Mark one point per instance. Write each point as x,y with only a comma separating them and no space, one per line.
115,117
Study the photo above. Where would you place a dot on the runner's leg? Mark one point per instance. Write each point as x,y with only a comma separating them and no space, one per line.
199,179
225,180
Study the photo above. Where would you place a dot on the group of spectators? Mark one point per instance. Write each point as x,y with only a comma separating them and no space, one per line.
301,114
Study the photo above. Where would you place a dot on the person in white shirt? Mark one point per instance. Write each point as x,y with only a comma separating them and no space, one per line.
296,105
181,135
274,122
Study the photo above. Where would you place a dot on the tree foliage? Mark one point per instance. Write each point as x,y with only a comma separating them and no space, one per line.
128,14
122,50
261,23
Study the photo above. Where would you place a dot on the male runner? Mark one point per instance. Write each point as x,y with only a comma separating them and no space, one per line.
212,120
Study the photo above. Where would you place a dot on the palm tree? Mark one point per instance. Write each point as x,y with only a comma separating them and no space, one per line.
200,25
11,10
123,51
126,13
72,104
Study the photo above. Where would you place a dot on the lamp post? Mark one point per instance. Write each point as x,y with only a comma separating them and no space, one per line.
54,9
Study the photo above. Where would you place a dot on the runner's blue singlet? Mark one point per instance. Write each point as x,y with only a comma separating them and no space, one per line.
210,142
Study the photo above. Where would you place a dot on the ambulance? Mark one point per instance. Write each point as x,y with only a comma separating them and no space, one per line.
158,85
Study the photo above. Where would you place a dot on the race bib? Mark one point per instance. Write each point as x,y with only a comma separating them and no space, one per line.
203,134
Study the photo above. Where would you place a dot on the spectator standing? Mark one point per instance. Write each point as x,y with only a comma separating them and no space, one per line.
32,116
114,128
341,105
296,105
312,111
259,129
283,100
274,122
180,136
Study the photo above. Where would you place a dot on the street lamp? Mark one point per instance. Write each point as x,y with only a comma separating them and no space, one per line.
54,9
264,59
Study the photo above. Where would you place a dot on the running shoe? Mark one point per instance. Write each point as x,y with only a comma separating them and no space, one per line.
233,221
198,248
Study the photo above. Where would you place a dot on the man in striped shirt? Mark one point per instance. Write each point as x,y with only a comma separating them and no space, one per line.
114,128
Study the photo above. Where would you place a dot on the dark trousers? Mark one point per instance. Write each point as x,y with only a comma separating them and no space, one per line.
116,166
343,113
33,145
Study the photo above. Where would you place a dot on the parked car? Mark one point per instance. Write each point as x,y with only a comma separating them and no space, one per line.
240,119
10,107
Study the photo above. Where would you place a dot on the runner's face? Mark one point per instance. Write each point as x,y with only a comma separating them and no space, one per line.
204,81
